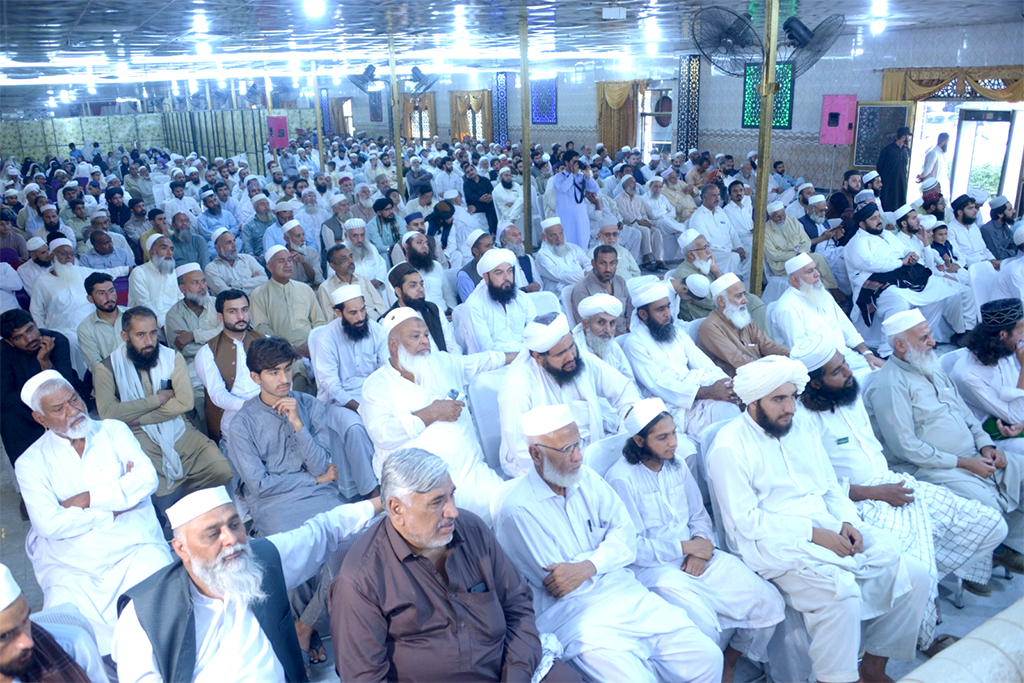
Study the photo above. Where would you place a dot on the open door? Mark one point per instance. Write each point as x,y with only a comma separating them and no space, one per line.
982,151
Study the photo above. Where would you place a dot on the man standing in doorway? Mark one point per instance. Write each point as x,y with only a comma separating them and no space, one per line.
934,165
892,166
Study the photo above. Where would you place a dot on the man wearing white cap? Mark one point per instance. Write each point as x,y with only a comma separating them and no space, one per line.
87,487
40,261
312,216
675,556
611,232
667,363
154,283
230,592
679,194
179,202
825,240
998,232
635,215
943,530
596,333
305,257
496,313
728,335
253,231
215,217
508,197
368,261
571,537
784,238
560,262
662,214
726,243
789,519
284,211
930,433
231,269
799,206
552,371
416,400
333,229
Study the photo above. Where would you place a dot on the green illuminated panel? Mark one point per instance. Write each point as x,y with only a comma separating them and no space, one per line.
783,117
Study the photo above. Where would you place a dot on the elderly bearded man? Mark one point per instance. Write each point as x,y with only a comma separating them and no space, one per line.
253,231
305,257
497,312
332,231
414,400
784,238
232,270
560,263
596,333
368,262
729,336
154,283
711,221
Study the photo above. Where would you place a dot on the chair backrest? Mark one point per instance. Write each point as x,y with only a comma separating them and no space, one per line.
460,318
499,495
544,302
834,222
311,342
565,299
693,328
707,440
769,319
601,455
482,396
948,361
160,193
984,280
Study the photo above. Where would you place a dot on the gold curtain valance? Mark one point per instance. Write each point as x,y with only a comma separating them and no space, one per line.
920,84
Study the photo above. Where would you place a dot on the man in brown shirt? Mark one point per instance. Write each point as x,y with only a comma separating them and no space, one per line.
603,280
728,335
427,594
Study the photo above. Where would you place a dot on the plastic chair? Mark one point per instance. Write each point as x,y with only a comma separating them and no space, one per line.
460,318
948,361
544,302
565,299
775,285
984,279
482,398
769,317
499,496
311,342
161,193
693,328
601,455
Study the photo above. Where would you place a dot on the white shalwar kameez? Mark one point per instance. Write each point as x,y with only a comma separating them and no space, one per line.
341,365
771,494
970,246
570,206
667,509
943,530
373,267
961,279
742,220
795,319
556,272
718,230
493,326
1010,282
990,390
528,385
389,401
663,216
157,291
229,626
90,556
509,203
613,628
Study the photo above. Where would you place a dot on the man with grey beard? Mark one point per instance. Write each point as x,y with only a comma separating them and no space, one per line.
560,263
369,263
154,284
229,595
728,335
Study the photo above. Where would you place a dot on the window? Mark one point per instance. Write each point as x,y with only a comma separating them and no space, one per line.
544,101
656,122
346,115
476,123
419,124
783,113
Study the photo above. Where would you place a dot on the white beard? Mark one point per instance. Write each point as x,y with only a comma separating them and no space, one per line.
816,295
558,251
925,362
654,194
366,202
359,254
739,316
240,579
79,430
703,265
68,275
818,220
164,265
423,370
517,249
599,345
553,476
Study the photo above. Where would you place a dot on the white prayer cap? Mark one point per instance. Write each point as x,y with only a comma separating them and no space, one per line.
208,193
196,504
546,419
47,207
751,154
756,380
35,243
73,183
599,145
978,195
625,148
508,169
1018,236
502,157
270,253
720,155
187,268
450,194
409,235
308,190
9,588
285,205
31,187
902,211
549,222
655,157
643,413
687,237
61,242
354,224
473,237
95,169
290,225
617,167
869,176
177,171
814,351
152,240
492,259
216,234
600,303
648,292
344,293
902,321
998,201
192,169
803,187
28,391
723,283
816,199
542,338
12,171
798,262
928,184
337,199
11,193
698,285
864,196
775,206
396,317
928,221
692,150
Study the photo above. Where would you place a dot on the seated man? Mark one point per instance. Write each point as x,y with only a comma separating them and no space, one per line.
675,553
402,633
189,245
667,364
789,519
728,336
340,261
147,386
998,232
711,221
608,234
479,243
100,333
661,212
496,313
305,257
415,247
826,240
602,279
192,321
569,535
414,400
806,309
931,434
232,270
596,331
368,262
409,292
943,530
154,284
561,264
87,487
1011,271
784,238
104,254
635,216
231,591
527,276
551,372
283,307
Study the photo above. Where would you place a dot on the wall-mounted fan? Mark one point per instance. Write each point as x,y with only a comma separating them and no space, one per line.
422,82
363,80
726,39
804,46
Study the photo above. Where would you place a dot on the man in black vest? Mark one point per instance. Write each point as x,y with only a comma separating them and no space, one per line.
221,609
409,290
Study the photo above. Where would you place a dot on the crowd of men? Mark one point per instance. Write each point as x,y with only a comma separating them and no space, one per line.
467,444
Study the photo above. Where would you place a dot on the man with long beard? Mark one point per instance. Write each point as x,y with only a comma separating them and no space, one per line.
508,198
552,371
728,335
497,313
154,284
305,257
596,332
312,216
253,231
561,263
362,207
87,487
368,261
214,218
784,238
228,594
232,270
332,231
416,248
414,401
998,232
679,195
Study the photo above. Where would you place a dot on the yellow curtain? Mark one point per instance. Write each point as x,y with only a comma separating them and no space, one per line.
411,103
617,109
920,84
460,102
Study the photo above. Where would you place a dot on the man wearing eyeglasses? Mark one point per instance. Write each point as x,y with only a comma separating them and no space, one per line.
609,234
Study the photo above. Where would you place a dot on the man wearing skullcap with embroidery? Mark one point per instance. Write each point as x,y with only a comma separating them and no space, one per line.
729,336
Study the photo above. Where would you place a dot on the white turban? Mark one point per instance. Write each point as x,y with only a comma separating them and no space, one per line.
814,351
494,258
61,242
354,224
1018,236
600,303
196,504
648,293
549,222
152,240
9,588
902,321
698,285
187,268
687,237
929,221
31,187
31,386
504,170
723,283
902,211
272,252
775,206
409,235
542,338
643,413
546,419
798,262
756,380
396,317
344,293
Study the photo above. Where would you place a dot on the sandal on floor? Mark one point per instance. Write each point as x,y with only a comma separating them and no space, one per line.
940,644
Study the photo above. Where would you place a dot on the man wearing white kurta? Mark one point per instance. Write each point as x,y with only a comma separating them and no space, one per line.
496,312
786,515
675,553
87,487
153,284
560,263
231,269
668,364
369,263
571,538
552,371
989,376
663,215
233,636
806,309
508,200
415,401
712,221
595,332
934,165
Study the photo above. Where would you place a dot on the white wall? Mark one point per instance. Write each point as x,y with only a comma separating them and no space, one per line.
842,72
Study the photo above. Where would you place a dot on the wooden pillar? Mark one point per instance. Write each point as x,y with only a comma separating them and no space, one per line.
396,112
524,92
764,142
